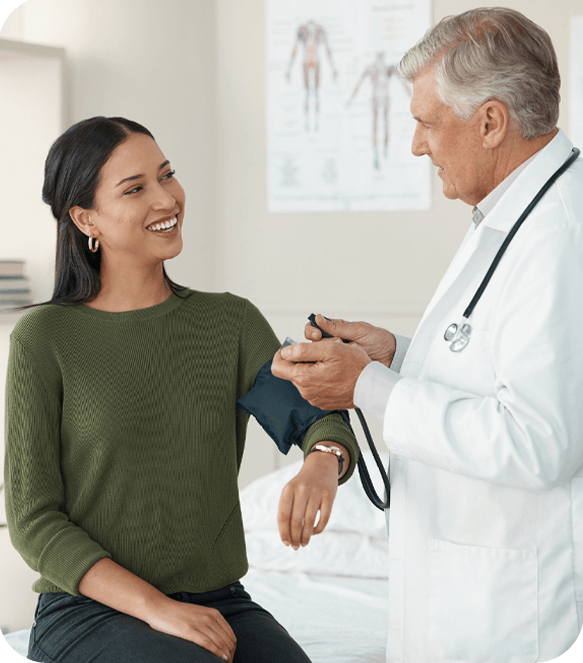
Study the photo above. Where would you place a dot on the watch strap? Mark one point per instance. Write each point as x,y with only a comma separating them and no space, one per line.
330,449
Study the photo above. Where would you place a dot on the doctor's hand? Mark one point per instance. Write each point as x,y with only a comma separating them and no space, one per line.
379,344
312,490
328,380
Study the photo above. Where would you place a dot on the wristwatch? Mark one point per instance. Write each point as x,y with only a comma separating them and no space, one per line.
329,449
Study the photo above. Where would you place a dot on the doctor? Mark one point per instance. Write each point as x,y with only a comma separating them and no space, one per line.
486,440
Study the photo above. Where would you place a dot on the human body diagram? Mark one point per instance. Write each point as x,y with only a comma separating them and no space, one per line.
380,75
313,37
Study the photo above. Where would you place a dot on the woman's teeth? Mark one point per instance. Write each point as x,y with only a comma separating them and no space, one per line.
164,226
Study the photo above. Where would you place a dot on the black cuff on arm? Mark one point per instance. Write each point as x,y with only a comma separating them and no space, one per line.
285,416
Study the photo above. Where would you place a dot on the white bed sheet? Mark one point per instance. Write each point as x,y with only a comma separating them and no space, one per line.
18,640
331,596
335,619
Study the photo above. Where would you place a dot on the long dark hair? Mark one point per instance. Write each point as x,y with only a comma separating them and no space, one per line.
72,175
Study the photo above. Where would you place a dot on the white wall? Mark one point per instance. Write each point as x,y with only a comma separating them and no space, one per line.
152,62
193,72
27,229
346,264
376,266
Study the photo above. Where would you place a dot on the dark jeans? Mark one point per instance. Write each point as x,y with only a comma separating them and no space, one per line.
69,629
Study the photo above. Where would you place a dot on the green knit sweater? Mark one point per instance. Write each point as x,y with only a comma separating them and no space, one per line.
123,439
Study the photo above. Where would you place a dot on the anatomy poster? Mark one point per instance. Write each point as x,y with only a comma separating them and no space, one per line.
576,82
339,127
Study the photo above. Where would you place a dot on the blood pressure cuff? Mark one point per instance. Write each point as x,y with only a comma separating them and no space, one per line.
280,409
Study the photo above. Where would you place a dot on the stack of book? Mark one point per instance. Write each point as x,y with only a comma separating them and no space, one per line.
14,289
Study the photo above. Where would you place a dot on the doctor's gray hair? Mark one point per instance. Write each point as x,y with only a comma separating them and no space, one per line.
492,53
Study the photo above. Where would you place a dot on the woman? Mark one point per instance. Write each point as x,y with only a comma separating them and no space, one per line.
123,441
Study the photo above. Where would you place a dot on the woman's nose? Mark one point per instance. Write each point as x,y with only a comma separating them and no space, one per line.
162,198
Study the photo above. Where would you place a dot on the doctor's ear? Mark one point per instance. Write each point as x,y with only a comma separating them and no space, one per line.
82,219
495,123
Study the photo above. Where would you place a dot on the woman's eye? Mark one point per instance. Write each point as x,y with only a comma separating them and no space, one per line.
134,190
167,176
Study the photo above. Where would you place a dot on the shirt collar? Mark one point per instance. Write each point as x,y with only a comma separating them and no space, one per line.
485,206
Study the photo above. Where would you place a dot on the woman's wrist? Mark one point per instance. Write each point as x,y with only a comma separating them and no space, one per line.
328,454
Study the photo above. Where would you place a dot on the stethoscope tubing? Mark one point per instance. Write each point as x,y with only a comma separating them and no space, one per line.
535,201
459,335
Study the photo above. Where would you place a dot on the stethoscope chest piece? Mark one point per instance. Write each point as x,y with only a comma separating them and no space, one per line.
461,337
450,332
458,336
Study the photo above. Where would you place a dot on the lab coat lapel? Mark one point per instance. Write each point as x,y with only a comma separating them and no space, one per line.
479,248
469,265
517,198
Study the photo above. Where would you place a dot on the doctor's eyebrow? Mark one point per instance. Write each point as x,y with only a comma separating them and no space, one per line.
137,177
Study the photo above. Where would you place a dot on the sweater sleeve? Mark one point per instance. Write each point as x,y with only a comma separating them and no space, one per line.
259,344
40,529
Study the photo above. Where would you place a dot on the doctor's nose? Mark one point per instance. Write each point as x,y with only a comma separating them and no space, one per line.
419,144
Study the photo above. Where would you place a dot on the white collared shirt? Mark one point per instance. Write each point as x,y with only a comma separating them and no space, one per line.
486,205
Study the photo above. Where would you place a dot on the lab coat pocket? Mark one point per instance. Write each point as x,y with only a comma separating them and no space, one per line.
470,370
483,604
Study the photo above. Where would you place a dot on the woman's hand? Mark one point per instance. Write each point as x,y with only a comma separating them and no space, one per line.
379,344
311,491
114,586
204,626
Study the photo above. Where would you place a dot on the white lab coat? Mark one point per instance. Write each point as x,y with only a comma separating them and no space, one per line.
486,518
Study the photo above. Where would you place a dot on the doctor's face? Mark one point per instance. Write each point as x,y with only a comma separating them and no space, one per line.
452,144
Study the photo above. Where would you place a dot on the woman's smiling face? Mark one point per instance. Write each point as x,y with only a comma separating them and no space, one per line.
139,205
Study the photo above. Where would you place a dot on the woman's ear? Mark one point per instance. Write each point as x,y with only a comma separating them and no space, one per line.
82,219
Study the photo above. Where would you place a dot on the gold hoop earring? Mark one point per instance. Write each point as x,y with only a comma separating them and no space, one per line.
93,247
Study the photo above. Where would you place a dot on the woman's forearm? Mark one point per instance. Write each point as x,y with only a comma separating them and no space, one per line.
111,584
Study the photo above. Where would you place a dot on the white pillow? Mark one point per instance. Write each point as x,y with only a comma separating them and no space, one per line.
352,510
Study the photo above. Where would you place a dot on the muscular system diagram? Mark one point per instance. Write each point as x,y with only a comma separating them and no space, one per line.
338,125
380,74
312,36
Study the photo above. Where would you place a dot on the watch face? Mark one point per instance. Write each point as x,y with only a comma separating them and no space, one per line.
328,448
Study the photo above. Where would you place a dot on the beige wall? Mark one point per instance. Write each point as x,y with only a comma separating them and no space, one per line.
155,63
377,266
193,72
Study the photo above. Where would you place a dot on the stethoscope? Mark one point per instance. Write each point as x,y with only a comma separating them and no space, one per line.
458,336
